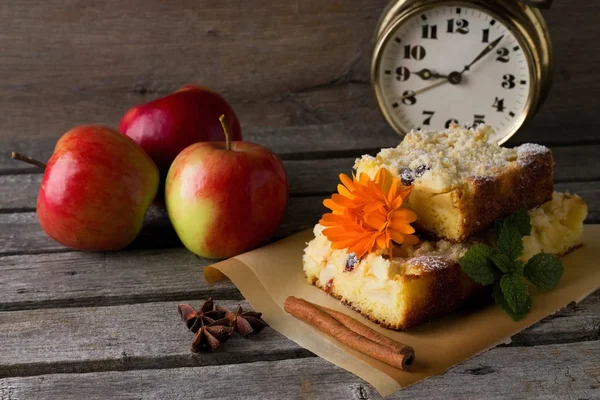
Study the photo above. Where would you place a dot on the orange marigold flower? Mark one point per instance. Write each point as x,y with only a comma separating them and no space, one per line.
367,215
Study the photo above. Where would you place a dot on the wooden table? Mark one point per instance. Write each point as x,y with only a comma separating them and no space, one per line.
100,326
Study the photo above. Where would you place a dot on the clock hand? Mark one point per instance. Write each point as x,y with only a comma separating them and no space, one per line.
485,51
427,74
423,90
456,77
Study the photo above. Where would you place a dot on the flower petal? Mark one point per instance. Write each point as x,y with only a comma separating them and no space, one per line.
397,203
341,200
344,191
382,241
405,214
348,182
396,236
376,219
411,239
402,227
333,206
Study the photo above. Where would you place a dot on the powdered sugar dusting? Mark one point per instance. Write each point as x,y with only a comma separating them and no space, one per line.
429,263
532,148
442,161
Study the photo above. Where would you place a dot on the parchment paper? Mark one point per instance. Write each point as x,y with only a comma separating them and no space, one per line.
267,276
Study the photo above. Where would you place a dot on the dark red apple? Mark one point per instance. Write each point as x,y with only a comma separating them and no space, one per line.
225,198
96,189
166,126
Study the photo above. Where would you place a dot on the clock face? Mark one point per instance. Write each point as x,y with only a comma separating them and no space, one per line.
454,64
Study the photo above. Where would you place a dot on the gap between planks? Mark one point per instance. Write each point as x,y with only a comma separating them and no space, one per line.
20,233
549,372
151,335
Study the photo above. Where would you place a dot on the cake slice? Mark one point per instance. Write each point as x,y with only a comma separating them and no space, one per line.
462,182
421,282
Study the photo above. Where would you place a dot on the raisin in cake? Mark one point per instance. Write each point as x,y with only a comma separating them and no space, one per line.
462,182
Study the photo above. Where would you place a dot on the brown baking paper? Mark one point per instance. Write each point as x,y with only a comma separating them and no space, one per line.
267,276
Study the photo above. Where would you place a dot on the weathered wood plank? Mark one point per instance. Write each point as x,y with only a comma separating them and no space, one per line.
21,234
545,372
297,143
252,53
86,73
244,50
149,335
319,176
78,279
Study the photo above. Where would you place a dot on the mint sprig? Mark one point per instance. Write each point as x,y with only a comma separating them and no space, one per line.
500,266
544,271
478,265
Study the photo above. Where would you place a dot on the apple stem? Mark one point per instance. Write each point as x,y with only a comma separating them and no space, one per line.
223,121
18,156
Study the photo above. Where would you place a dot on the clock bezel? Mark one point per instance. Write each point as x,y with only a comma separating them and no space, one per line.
525,23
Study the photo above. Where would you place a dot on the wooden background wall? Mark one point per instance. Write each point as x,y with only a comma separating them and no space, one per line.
282,64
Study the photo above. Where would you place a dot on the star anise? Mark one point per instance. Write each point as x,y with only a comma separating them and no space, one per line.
209,337
244,323
193,318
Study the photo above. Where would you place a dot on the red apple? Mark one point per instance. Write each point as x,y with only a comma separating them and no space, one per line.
225,198
96,189
166,126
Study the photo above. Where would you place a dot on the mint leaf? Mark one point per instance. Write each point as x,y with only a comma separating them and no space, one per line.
518,219
517,267
516,294
544,271
510,241
502,262
477,264
501,301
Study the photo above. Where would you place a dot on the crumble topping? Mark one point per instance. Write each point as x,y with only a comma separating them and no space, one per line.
441,161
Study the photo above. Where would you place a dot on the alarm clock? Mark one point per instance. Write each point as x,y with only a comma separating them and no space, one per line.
442,62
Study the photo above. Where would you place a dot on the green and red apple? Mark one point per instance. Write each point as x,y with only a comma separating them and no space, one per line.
96,189
225,198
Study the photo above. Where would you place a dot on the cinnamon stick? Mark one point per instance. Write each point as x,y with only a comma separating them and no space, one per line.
352,333
367,332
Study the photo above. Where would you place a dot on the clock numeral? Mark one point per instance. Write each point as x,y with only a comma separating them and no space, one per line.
461,26
499,104
429,32
486,36
451,121
417,52
427,121
411,99
508,81
479,119
503,56
402,74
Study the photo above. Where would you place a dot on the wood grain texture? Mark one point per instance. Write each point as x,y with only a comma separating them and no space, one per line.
545,372
297,75
291,143
279,64
151,335
20,232
103,58
78,279
315,176
124,337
